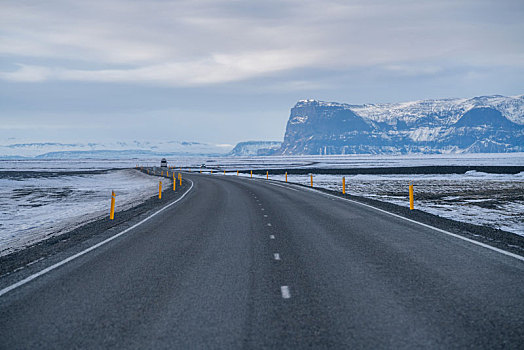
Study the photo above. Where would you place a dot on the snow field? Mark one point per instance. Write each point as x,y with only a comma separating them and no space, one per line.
35,208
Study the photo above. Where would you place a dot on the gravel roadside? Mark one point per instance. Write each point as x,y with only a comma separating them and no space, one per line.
415,170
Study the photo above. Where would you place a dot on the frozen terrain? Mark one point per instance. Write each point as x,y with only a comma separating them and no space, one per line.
54,165
38,204
494,200
351,161
41,198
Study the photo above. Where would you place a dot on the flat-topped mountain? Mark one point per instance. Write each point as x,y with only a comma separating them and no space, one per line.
480,124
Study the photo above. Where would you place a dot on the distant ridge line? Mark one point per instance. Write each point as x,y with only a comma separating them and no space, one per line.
452,169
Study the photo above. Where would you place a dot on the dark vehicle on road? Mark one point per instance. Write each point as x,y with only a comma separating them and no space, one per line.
163,163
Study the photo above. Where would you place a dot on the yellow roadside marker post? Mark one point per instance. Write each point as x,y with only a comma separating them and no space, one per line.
286,176
251,173
112,211
224,172
311,175
159,189
411,199
180,178
237,172
211,171
343,185
174,182
267,175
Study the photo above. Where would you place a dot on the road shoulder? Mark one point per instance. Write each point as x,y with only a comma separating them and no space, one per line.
20,264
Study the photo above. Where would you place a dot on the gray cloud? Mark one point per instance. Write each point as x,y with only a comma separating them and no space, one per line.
207,42
59,58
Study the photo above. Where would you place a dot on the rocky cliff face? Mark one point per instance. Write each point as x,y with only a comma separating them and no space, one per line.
481,124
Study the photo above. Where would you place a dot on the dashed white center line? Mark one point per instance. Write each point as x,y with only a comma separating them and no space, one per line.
265,215
277,256
269,224
285,292
271,236
262,209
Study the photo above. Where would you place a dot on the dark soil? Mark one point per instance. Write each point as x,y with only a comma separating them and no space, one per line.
514,169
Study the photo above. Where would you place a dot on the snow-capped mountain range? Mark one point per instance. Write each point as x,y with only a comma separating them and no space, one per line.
450,109
255,148
480,124
486,124
110,150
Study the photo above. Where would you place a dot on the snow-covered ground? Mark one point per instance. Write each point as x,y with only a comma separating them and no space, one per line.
494,200
36,205
69,164
275,162
48,197
352,161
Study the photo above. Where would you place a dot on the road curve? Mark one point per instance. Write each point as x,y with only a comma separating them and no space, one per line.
245,263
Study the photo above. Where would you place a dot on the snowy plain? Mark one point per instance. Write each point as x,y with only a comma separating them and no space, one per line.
41,198
37,205
352,161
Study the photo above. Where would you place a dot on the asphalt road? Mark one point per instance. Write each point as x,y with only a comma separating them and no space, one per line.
242,263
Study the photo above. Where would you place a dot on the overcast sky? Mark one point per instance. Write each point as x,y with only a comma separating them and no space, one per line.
227,71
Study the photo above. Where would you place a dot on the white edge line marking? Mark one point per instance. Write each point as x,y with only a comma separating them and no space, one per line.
290,188
285,292
271,236
277,256
77,255
501,251
487,246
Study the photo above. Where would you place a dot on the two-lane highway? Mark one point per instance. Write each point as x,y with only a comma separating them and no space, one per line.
245,263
